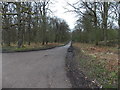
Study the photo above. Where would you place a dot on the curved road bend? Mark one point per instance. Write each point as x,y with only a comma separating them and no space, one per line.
37,69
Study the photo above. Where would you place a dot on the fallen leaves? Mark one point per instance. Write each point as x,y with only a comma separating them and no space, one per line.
101,62
108,54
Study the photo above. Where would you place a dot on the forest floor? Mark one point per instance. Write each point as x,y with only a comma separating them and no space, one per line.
32,47
98,63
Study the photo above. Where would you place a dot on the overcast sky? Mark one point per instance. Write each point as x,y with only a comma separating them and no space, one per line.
59,11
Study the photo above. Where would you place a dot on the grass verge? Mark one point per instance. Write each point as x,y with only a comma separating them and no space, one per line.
32,47
100,66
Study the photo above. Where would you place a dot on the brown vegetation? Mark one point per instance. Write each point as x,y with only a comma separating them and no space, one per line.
99,63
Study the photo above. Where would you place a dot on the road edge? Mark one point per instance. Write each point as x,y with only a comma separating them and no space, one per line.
77,77
30,50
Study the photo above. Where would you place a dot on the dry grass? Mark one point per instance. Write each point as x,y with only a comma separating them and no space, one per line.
101,63
108,54
32,46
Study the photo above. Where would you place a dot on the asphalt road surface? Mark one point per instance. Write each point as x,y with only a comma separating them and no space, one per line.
37,69
0,70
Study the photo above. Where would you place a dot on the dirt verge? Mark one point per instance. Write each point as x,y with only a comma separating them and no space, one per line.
76,76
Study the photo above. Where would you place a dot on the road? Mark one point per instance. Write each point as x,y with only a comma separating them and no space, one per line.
0,70
37,69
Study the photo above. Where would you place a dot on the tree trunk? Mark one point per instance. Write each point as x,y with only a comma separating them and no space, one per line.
105,17
119,26
18,4
29,23
44,24
7,26
119,17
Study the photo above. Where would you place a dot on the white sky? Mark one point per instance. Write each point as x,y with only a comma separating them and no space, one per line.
59,11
